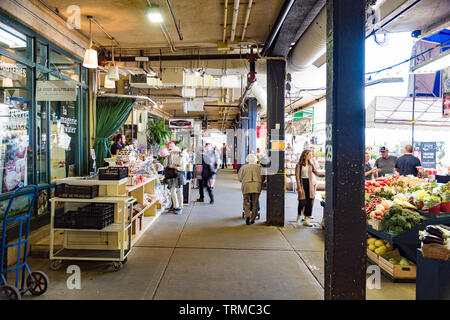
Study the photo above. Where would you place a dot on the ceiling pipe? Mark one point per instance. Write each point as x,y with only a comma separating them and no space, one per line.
225,16
277,26
234,23
104,31
174,20
247,15
184,57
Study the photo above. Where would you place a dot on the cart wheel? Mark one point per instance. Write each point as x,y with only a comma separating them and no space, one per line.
37,283
117,265
8,292
55,264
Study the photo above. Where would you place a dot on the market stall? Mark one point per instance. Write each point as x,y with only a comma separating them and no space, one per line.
397,209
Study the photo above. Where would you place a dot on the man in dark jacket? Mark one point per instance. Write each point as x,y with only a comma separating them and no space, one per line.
209,169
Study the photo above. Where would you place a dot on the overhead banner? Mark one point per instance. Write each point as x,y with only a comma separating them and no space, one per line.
181,123
56,90
446,92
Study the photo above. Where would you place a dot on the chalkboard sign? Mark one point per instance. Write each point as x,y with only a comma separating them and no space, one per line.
428,155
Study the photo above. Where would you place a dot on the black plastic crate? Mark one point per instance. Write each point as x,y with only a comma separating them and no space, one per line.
96,216
112,173
68,220
65,190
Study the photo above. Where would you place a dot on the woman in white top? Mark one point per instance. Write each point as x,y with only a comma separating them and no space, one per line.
304,175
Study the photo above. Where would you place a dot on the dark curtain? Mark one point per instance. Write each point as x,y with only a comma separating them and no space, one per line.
111,115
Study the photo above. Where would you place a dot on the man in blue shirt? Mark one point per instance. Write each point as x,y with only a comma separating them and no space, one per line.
408,164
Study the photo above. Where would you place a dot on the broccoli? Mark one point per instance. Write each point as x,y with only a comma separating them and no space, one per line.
395,210
396,229
408,226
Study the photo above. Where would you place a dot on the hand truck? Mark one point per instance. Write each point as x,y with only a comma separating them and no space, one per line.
36,282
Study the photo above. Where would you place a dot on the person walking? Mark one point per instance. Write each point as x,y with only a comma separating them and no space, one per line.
224,156
385,164
250,177
176,177
304,175
211,158
408,164
205,173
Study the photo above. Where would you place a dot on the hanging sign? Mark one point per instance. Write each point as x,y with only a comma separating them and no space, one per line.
181,123
428,154
56,90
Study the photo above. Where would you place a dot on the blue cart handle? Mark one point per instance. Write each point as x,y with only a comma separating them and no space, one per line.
16,193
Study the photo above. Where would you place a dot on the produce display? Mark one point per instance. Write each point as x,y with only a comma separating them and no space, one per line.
379,246
399,219
435,242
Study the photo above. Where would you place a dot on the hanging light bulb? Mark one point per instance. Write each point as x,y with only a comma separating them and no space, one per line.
109,84
113,71
90,56
7,83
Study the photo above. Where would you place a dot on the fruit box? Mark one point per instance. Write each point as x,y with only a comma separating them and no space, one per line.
396,271
375,224
372,255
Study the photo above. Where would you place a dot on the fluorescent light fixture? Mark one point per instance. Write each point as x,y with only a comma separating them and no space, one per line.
7,83
109,84
439,62
154,14
384,80
11,40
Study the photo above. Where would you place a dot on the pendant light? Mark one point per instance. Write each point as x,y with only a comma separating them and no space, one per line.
109,84
90,56
7,83
113,71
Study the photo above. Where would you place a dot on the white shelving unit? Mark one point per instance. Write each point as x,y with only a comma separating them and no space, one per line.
115,242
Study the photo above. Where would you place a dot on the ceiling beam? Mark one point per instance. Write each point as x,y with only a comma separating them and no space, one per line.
182,57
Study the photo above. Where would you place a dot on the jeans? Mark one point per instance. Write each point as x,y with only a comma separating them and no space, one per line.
224,162
305,203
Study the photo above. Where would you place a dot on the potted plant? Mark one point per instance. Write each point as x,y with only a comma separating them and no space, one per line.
157,134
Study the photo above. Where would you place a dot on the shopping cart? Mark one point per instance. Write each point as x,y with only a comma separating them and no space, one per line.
36,282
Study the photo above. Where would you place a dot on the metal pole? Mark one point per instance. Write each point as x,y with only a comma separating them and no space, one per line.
345,219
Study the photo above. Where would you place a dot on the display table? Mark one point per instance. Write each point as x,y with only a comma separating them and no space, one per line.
433,278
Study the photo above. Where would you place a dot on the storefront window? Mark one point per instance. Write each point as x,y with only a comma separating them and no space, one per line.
13,41
42,141
63,138
64,65
41,54
15,151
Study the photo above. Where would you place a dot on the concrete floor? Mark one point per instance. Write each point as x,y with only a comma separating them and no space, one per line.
209,253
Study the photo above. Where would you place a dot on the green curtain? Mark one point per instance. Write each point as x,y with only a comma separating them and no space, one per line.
111,115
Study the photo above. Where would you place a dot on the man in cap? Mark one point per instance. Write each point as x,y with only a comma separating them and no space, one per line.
386,163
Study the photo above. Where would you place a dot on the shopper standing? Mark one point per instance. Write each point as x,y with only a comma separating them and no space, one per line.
224,156
304,175
368,170
408,164
385,164
250,176
177,179
211,157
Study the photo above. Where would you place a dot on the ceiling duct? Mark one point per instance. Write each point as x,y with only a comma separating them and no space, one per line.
261,96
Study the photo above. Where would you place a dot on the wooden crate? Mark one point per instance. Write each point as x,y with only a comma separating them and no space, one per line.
375,224
396,271
372,256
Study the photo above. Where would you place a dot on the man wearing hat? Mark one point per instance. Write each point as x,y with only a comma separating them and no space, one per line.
385,164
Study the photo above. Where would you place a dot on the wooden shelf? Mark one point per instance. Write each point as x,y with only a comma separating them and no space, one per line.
122,199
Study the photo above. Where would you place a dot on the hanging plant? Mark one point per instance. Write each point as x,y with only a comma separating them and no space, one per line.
157,134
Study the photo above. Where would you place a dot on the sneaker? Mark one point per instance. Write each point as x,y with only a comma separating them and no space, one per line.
307,224
252,221
200,200
247,221
211,202
299,219
179,211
